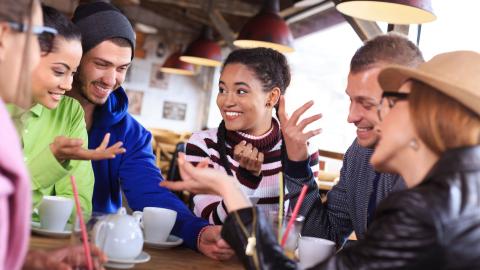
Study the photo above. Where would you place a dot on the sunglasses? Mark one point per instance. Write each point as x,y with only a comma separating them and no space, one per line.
391,98
45,34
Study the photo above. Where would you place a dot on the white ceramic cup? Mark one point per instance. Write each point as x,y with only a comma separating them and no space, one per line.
313,250
157,223
54,212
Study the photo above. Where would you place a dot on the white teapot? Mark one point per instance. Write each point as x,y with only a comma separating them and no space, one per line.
119,236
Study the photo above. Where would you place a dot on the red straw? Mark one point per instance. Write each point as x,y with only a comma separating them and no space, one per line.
86,247
294,214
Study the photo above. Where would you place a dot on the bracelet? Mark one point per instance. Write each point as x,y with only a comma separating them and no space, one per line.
200,234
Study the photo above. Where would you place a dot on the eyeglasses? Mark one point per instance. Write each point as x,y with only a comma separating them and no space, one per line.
45,34
391,98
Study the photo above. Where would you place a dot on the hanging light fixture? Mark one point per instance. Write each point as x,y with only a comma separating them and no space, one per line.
266,29
203,51
174,65
390,11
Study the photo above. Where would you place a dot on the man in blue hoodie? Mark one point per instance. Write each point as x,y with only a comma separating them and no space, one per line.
108,42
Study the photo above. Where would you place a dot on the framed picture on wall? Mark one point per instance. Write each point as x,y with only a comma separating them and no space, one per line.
135,101
174,110
158,79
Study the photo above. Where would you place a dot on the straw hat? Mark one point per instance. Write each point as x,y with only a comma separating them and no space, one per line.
456,74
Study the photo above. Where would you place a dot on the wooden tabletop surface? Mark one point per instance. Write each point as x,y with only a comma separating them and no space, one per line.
176,258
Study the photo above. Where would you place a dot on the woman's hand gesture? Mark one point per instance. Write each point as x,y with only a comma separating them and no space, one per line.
64,148
203,180
248,157
294,137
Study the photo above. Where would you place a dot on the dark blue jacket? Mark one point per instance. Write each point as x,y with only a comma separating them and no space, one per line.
135,171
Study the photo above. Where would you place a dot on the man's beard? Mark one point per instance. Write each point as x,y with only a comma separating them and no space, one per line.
82,90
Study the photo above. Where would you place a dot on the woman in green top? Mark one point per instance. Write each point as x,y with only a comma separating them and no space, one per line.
53,130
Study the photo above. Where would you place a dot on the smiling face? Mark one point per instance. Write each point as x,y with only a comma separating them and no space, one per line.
54,74
242,101
396,132
365,93
102,70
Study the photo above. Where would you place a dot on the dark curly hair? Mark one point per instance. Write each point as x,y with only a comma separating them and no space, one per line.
272,69
269,66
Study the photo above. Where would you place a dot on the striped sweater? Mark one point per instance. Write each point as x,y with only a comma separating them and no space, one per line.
266,186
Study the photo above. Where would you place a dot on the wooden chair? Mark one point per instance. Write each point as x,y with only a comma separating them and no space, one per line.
164,143
326,180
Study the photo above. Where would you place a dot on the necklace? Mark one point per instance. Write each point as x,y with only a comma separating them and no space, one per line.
251,240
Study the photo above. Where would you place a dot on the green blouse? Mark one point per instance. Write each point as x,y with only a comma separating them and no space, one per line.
38,128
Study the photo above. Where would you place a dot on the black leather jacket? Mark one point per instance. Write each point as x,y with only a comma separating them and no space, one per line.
435,225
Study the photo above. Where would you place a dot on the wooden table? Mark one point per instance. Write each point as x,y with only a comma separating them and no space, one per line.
176,258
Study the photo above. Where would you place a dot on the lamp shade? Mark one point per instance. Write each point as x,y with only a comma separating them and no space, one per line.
203,51
266,29
392,11
174,65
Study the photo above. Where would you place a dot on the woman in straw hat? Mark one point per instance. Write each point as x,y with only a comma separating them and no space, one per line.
430,134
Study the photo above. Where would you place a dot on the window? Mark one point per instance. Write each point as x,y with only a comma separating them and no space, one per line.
320,66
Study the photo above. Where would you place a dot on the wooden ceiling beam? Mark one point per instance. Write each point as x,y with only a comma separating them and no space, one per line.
399,28
315,23
222,27
235,7
365,29
142,15
173,13
198,16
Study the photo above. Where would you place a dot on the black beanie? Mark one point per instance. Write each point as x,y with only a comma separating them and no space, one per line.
99,21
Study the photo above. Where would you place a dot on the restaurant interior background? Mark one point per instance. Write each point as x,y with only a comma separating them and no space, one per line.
324,43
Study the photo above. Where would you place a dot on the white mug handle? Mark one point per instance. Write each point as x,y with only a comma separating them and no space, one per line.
138,216
98,232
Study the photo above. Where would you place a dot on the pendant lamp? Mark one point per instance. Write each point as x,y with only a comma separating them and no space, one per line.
203,51
390,11
266,29
174,65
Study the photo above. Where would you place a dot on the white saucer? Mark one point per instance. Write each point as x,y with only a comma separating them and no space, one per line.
126,264
172,241
118,265
36,228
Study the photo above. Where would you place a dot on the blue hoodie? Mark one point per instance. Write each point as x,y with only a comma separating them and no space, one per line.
135,171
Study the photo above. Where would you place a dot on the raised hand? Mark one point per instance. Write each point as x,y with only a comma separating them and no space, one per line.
294,137
199,179
248,157
64,148
202,180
